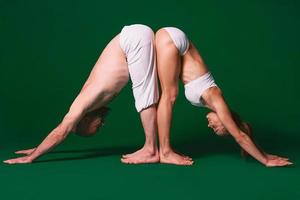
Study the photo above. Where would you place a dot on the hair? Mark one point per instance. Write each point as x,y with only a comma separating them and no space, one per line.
245,127
99,112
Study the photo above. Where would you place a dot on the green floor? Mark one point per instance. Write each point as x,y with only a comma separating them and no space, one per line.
80,169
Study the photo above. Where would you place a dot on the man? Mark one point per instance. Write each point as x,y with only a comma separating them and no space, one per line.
130,52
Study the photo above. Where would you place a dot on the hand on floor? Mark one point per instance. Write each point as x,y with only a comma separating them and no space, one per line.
20,160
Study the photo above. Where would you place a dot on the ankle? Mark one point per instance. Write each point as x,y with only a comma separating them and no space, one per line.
164,152
151,148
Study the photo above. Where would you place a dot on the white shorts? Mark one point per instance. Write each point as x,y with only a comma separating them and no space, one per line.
195,88
137,42
179,38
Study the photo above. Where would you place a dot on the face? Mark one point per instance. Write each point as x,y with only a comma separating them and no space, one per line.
215,123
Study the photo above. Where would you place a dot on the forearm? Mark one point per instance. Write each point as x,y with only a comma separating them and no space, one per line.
80,106
53,139
247,144
242,138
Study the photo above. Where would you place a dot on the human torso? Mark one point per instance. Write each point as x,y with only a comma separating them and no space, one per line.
193,65
112,68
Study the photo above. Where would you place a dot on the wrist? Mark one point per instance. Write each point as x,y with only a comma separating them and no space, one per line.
265,160
30,158
33,156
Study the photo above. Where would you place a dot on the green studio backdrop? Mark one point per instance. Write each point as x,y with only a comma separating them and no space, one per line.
48,48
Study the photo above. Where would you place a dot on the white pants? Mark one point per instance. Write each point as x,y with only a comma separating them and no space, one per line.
137,42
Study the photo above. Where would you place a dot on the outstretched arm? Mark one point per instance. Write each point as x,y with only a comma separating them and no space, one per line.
217,103
107,78
83,103
55,137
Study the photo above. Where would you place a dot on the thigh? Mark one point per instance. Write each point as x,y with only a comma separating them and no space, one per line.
143,74
168,61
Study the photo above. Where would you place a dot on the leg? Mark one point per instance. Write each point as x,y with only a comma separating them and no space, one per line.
149,152
169,66
138,44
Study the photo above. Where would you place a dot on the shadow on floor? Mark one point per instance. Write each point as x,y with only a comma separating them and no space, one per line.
89,153
197,146
271,142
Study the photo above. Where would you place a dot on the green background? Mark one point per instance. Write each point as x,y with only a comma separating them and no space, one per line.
47,49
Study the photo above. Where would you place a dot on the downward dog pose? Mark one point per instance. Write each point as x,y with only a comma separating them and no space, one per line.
177,58
130,52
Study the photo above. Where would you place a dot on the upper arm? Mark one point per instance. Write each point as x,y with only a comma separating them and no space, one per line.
216,102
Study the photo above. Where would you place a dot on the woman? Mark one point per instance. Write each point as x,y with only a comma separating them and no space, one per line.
177,58
131,53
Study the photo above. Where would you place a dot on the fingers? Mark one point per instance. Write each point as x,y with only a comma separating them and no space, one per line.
18,160
7,161
11,161
22,152
26,151
283,158
278,162
283,163
277,157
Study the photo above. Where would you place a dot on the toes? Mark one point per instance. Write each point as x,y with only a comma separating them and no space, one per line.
188,158
178,162
124,160
128,161
138,160
187,162
130,154
125,156
184,156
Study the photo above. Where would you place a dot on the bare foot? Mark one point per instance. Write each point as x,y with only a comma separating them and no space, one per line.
134,154
141,156
186,157
173,158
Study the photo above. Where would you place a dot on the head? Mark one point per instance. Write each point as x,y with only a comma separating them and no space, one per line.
215,123
91,122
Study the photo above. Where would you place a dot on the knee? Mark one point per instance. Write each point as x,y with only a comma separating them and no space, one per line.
170,95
